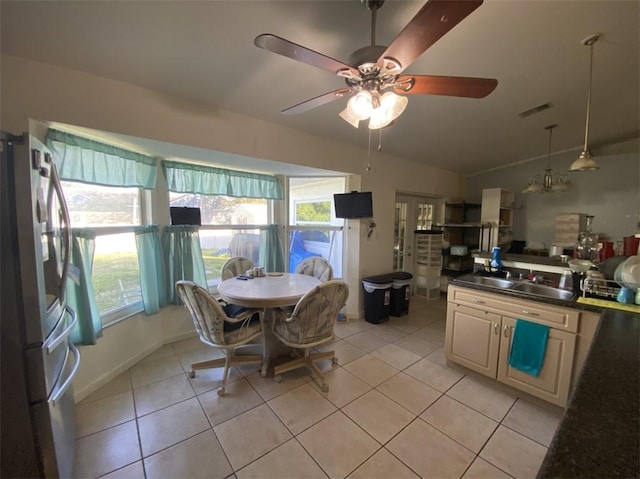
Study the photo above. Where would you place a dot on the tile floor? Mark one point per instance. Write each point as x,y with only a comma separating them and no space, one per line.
394,410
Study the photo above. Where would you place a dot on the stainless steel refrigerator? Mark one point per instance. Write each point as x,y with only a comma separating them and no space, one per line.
38,359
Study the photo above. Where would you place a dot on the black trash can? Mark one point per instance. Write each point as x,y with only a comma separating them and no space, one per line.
377,298
400,292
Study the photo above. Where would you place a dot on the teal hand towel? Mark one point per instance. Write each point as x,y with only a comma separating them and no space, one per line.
528,347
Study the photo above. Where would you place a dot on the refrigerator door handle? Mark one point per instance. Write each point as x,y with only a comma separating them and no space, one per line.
51,344
55,179
58,392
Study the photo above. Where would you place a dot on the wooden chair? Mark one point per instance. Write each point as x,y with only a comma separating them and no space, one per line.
218,330
316,266
310,325
235,266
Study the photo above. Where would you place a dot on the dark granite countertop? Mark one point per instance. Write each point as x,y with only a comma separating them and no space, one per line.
599,434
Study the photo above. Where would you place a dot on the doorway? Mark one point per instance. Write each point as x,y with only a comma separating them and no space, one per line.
411,213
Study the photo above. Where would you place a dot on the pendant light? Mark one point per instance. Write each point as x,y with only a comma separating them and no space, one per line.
546,183
586,162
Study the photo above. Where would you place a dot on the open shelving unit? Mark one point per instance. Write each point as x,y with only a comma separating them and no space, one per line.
497,210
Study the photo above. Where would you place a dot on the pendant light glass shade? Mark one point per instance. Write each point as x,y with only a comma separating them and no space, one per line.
547,183
586,162
380,110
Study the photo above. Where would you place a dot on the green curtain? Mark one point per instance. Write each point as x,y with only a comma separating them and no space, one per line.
206,180
183,258
79,288
88,161
151,263
271,256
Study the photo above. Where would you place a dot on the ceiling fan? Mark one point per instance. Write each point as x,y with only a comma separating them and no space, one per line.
373,75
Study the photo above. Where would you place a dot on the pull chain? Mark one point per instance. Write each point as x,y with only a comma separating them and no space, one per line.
368,168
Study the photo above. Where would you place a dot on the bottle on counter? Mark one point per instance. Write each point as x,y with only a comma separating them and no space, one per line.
496,261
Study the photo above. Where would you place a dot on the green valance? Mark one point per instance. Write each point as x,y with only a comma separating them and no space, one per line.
206,180
88,161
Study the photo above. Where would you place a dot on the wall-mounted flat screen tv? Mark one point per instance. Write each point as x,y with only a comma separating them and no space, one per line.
185,216
353,205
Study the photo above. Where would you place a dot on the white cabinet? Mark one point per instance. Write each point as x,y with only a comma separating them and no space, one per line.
479,334
497,209
428,263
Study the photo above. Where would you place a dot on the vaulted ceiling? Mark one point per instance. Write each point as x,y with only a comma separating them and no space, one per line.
203,51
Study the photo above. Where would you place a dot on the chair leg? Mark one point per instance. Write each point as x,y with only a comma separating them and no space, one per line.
307,360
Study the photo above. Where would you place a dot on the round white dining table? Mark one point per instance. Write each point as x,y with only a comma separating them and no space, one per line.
267,292
270,291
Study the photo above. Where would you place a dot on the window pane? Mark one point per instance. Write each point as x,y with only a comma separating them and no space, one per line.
219,245
311,200
116,275
224,210
317,242
95,205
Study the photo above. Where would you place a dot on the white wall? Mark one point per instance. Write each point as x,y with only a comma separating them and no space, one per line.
611,194
32,90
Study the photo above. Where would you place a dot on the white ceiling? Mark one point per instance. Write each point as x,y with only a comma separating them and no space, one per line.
204,51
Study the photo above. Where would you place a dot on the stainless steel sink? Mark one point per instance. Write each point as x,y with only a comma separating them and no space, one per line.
487,281
542,290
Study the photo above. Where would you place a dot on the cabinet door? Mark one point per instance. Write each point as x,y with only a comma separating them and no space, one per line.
473,338
553,382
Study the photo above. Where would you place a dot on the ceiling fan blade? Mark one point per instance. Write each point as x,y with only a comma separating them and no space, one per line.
317,101
292,50
449,86
433,20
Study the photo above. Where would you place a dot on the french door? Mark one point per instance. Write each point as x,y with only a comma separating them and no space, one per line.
411,213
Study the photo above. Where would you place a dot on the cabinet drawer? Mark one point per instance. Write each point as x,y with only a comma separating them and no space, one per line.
554,316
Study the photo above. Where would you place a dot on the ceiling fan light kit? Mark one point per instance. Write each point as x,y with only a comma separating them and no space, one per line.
547,183
373,77
585,161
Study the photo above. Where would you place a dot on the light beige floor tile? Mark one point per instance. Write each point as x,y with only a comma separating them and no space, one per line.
430,453
387,331
416,345
148,372
482,397
107,451
398,357
344,387
117,385
268,388
247,437
338,445
198,355
239,398
289,460
161,394
533,422
432,335
383,465
459,422
171,425
438,357
187,344
301,408
132,471
410,393
367,341
352,327
481,469
345,351
162,352
439,325
381,417
515,454
208,379
198,457
434,375
371,370
98,415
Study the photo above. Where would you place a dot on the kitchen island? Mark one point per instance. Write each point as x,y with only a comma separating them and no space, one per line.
599,434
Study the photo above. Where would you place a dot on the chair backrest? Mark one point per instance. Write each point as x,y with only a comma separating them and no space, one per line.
316,266
206,313
315,314
236,266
